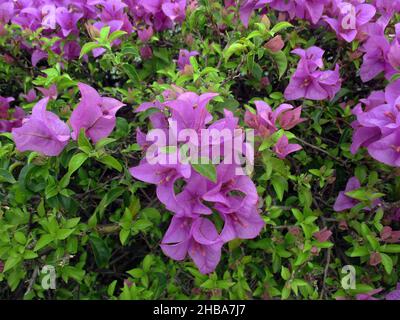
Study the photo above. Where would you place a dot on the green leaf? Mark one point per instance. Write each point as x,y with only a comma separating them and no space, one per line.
116,34
111,288
280,26
206,170
111,162
148,262
88,47
387,263
29,254
136,273
390,248
6,176
51,190
280,185
71,223
285,273
285,292
83,142
123,235
104,32
193,62
12,262
130,70
359,252
236,48
74,164
103,142
297,214
43,241
281,62
64,233
20,237
101,251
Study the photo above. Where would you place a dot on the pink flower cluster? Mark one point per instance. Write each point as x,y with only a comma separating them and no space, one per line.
9,118
381,55
348,18
63,18
266,122
46,133
309,81
377,127
200,200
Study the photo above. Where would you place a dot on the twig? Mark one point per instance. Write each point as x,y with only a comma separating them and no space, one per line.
320,150
328,261
32,280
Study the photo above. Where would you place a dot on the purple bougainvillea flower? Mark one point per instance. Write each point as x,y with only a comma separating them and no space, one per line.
37,56
146,52
152,6
30,96
283,148
189,110
322,235
393,55
190,199
245,223
350,18
42,132
233,196
4,106
175,10
145,33
368,295
14,120
312,55
94,114
247,7
6,12
309,82
388,235
184,58
68,21
375,59
10,118
392,93
304,84
266,120
223,192
344,202
290,118
329,81
197,237
386,117
395,294
387,149
311,9
164,176
49,13
50,92
363,137
263,122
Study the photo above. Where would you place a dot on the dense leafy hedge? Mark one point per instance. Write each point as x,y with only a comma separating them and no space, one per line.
82,82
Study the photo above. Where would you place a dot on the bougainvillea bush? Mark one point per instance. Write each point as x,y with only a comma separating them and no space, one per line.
103,197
